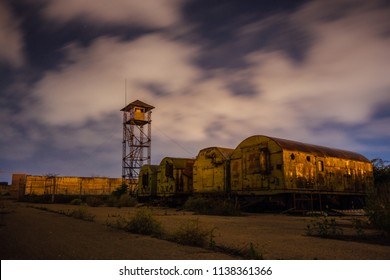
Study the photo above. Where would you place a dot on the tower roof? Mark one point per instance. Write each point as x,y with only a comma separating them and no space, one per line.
138,103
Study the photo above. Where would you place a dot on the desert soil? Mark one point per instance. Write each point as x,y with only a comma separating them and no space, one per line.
30,233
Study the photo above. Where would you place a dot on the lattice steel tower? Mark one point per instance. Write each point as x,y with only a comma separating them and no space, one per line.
136,141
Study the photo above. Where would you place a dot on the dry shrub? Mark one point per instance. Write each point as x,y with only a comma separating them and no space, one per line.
193,234
81,213
142,223
324,227
126,200
378,207
94,201
211,206
76,201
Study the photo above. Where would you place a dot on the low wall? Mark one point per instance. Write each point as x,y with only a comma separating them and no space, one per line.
23,184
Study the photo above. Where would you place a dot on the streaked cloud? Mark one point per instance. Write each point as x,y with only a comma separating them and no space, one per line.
91,83
11,38
341,80
323,80
145,13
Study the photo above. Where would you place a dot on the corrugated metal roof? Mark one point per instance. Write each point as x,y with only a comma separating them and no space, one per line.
318,150
226,152
138,103
151,167
178,162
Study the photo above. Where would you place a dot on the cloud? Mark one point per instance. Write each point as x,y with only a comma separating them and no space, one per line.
91,83
146,13
342,78
375,129
320,99
11,38
13,144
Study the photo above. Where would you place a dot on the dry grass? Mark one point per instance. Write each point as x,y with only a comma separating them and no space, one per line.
273,236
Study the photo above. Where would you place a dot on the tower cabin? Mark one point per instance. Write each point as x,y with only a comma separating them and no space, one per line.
137,112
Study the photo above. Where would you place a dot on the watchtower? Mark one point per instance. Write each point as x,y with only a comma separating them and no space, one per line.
136,141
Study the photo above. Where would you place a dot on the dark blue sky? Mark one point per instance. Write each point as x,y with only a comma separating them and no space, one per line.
216,71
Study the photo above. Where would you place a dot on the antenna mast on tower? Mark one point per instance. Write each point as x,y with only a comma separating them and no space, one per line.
136,141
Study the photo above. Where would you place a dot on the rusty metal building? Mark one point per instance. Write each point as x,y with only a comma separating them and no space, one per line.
175,177
262,165
211,170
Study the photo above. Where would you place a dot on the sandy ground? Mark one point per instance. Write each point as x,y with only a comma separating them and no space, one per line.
30,233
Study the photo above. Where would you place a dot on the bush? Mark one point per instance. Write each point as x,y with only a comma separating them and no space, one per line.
378,206
111,201
359,225
76,201
209,206
142,223
36,198
197,204
82,214
94,201
324,228
254,253
120,191
378,211
126,200
191,233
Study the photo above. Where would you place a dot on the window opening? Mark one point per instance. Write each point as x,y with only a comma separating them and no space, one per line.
321,165
169,170
265,161
145,180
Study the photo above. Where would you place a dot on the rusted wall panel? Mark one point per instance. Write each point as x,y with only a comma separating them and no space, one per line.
304,171
293,167
41,185
175,176
18,185
256,166
210,170
147,183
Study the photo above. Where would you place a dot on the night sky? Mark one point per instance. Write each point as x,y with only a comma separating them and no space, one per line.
216,72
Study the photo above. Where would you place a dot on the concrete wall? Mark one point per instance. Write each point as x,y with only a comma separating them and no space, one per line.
23,184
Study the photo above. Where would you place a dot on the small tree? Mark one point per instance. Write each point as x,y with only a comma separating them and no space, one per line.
381,170
379,203
120,191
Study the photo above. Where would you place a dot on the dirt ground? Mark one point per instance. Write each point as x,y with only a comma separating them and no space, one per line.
29,233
